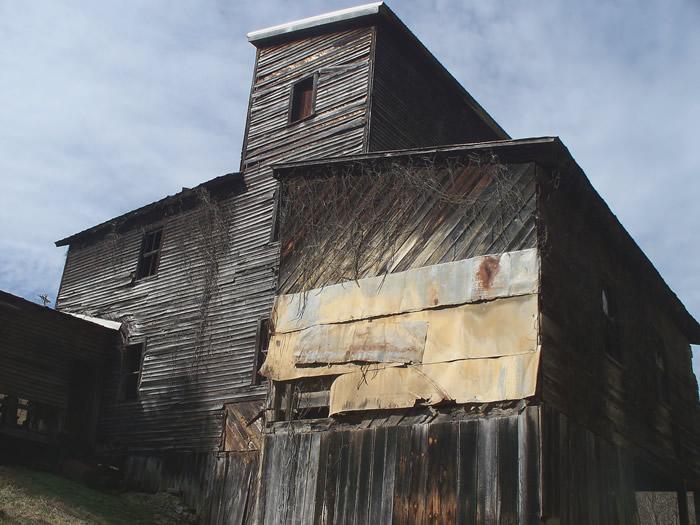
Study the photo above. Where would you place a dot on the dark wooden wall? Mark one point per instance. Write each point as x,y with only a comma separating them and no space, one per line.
586,479
583,247
413,105
481,470
39,348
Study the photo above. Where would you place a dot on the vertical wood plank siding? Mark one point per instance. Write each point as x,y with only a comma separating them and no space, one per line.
412,104
464,471
586,479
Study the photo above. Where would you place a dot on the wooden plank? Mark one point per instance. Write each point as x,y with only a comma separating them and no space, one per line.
488,507
467,494
507,455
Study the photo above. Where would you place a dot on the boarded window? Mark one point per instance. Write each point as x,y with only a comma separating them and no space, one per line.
150,254
262,343
610,323
132,359
303,99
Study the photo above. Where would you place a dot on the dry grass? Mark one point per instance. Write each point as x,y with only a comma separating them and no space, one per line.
32,497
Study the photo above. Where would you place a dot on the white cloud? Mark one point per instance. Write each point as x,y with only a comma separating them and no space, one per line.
110,105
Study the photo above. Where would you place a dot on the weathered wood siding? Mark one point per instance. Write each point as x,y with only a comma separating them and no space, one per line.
481,470
200,343
414,104
196,358
497,215
583,247
220,487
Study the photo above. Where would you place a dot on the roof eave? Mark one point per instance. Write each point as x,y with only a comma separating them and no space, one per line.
236,180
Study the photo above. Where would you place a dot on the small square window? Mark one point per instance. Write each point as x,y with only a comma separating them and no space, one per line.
150,254
132,361
262,343
303,99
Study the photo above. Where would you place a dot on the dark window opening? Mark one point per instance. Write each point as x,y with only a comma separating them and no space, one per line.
661,372
262,343
610,324
275,230
303,99
29,415
305,399
132,360
150,254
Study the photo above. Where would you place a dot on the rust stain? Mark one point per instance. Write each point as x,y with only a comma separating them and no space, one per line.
487,271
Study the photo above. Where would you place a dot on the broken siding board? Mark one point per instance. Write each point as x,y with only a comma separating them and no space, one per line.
465,281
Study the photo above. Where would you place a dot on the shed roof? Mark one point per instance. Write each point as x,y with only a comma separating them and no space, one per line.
231,183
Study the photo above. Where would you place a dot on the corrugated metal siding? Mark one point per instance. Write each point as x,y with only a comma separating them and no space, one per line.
412,105
481,470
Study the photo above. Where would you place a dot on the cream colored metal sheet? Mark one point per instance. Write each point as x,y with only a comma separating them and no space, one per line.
471,331
380,341
466,281
466,381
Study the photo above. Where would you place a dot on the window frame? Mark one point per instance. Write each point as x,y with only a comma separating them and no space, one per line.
292,92
262,334
143,254
125,374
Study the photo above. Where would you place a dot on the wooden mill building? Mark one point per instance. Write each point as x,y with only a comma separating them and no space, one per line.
393,312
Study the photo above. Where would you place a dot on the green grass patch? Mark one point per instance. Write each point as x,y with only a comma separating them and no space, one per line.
29,496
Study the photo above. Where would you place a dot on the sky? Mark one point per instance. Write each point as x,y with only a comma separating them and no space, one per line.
110,105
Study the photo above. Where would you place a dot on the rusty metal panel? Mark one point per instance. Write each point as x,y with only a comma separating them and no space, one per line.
440,285
466,381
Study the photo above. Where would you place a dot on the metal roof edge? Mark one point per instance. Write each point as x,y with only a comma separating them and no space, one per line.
16,302
260,36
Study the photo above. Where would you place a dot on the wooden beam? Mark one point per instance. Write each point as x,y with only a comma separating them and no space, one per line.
683,515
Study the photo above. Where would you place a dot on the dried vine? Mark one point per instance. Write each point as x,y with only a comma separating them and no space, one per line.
210,231
362,219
